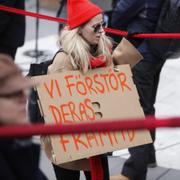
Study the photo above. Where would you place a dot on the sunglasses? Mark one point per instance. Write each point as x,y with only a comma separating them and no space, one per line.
14,94
98,27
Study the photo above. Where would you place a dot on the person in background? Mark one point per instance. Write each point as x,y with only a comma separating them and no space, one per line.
12,28
167,48
140,16
12,83
85,47
19,158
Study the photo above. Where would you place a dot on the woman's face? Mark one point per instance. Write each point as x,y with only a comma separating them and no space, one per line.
92,31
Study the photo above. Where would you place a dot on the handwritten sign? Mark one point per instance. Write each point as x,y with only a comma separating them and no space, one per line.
73,97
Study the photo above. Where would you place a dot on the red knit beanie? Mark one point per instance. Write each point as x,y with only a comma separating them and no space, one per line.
81,11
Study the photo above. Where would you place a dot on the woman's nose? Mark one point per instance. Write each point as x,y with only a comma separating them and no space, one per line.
101,30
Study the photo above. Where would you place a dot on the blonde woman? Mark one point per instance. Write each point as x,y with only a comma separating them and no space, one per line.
85,47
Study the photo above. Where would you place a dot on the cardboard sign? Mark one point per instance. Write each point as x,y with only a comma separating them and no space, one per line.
72,97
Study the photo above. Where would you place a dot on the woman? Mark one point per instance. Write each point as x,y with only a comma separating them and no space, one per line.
85,47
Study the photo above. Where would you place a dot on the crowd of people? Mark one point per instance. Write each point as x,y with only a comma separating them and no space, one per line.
85,47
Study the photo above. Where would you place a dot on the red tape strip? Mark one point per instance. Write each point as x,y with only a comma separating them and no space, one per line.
113,31
41,129
32,14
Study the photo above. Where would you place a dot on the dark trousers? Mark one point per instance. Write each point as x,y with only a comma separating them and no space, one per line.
135,166
63,174
66,174
146,77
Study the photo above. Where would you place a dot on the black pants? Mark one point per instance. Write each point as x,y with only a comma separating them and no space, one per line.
66,174
146,77
135,166
63,174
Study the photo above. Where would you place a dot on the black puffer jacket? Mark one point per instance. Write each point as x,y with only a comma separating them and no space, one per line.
136,16
169,22
12,26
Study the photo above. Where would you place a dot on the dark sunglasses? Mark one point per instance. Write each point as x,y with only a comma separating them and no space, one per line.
12,95
97,27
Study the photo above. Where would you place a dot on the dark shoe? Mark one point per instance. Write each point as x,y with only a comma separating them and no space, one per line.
109,153
152,165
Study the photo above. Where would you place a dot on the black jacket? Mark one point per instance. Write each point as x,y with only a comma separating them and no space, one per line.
169,22
12,26
136,15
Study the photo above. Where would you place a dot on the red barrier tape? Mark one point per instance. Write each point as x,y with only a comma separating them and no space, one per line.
41,129
31,14
113,31
158,35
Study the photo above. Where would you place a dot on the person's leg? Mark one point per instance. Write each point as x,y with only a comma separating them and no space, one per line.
105,165
135,167
152,157
65,174
152,152
104,160
87,175
143,74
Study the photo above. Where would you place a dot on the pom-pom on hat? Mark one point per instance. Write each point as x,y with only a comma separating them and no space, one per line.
81,11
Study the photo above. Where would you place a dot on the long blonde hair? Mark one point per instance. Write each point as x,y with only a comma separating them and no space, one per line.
79,50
